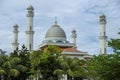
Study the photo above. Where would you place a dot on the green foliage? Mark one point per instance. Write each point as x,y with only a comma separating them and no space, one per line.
11,66
22,61
73,68
2,72
21,68
35,60
14,72
8,67
114,43
105,67
59,72
49,63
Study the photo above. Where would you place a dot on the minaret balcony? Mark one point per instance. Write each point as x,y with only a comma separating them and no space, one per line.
29,32
102,37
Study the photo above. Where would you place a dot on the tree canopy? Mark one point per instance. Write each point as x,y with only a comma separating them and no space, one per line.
106,67
51,65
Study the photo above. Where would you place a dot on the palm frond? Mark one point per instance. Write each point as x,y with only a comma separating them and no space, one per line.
58,72
15,60
7,65
2,72
21,68
14,72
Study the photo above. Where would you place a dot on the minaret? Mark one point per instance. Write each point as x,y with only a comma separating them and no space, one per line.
15,39
30,32
103,37
74,36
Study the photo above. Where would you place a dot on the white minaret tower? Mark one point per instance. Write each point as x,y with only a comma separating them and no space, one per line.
103,37
30,32
15,39
74,36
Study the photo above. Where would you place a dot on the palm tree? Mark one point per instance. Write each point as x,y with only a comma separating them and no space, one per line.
10,67
24,56
73,67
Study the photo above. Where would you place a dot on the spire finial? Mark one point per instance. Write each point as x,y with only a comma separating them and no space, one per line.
55,20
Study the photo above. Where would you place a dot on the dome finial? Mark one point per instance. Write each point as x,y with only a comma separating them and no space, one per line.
55,20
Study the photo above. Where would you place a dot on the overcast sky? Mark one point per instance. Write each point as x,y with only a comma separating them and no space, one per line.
82,15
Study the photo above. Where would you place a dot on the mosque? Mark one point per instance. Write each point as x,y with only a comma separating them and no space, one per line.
56,36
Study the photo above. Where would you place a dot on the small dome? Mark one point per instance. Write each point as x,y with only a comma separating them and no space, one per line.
55,33
30,7
102,16
15,26
73,30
